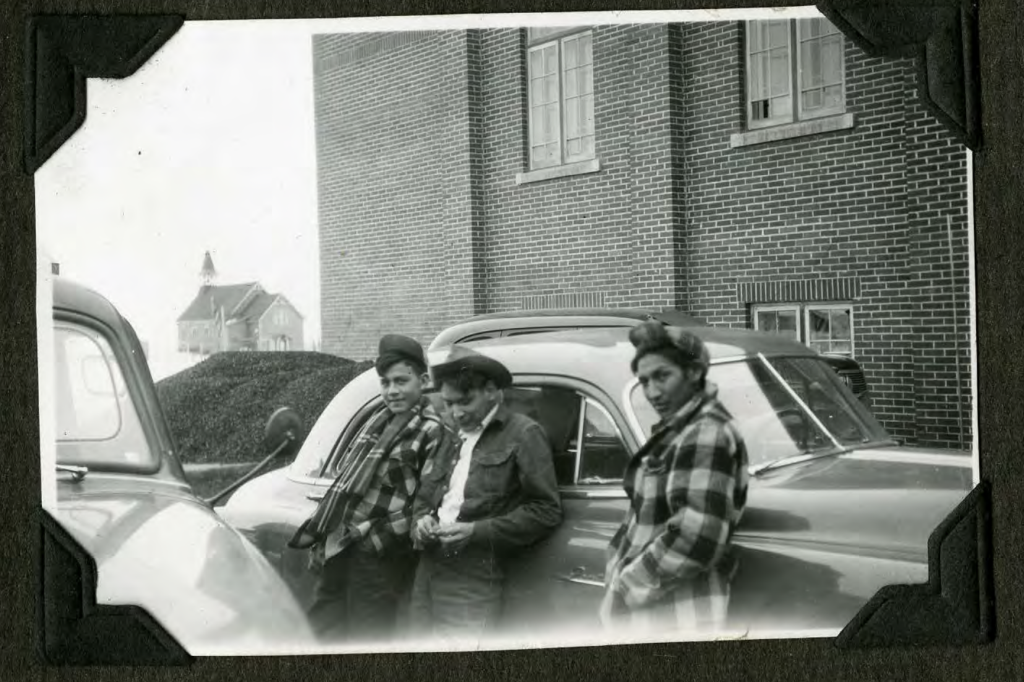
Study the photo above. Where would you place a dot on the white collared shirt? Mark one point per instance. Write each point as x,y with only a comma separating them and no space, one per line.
452,501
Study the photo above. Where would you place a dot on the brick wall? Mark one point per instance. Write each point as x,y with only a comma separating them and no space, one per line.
396,211
867,203
420,138
604,234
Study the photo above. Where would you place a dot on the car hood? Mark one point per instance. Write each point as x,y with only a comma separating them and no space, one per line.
170,554
882,502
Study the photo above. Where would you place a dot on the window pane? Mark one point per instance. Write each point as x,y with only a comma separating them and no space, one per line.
550,59
586,49
833,97
569,46
87,391
812,99
810,66
572,119
779,72
784,322
551,123
587,114
537,92
551,89
832,60
755,42
758,80
536,63
571,87
586,79
573,147
605,456
778,33
557,410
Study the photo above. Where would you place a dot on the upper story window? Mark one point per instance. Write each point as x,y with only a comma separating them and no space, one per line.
795,71
560,63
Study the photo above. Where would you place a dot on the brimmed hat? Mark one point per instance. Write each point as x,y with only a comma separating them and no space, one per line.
651,336
397,348
461,359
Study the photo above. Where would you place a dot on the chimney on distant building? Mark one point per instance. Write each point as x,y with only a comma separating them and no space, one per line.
208,273
54,268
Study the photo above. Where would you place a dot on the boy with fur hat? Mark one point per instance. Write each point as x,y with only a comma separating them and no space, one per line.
359,534
479,503
670,564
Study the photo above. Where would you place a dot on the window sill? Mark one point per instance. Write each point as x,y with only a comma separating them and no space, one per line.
578,168
826,124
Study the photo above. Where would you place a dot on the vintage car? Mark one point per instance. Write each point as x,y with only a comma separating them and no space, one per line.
122,495
519,322
836,508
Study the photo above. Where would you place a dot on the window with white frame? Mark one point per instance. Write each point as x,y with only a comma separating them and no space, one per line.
560,66
826,328
795,71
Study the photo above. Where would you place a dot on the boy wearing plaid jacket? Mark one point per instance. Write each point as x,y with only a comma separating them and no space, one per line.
671,562
360,532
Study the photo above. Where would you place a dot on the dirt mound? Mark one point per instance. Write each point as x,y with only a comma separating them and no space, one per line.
217,409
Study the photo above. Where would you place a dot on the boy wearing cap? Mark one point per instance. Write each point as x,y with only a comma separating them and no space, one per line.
359,534
670,564
480,503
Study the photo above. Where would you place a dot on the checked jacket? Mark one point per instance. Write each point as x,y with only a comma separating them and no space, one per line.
670,564
378,520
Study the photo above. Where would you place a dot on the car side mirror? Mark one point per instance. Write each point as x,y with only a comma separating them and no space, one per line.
282,435
283,431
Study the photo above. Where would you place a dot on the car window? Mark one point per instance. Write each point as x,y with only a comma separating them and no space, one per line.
559,410
351,434
97,423
604,456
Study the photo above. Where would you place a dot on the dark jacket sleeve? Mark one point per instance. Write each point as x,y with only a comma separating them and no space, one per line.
539,510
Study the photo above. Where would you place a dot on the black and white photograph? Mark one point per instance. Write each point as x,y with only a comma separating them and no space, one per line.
491,332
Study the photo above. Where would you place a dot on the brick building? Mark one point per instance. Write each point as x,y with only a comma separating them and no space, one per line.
464,172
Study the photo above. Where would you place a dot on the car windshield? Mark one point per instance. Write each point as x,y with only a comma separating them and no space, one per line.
774,424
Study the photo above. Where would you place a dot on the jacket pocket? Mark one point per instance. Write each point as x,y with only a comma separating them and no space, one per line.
493,473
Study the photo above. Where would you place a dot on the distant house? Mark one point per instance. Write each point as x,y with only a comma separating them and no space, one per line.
238,317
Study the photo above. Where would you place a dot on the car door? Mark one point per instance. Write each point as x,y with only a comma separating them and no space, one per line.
558,584
294,498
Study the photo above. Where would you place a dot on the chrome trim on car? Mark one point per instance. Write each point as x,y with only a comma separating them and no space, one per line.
596,493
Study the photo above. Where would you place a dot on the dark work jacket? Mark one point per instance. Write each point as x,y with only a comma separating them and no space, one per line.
511,494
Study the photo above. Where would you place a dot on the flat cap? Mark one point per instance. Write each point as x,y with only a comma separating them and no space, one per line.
398,348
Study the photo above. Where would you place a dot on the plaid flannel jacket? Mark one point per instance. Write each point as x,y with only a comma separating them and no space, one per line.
670,564
381,520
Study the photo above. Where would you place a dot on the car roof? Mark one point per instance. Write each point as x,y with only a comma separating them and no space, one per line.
560,317
602,356
74,297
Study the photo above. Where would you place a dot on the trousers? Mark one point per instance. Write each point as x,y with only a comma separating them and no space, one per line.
359,595
457,597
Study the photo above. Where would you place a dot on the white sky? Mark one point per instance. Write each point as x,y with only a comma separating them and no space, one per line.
210,146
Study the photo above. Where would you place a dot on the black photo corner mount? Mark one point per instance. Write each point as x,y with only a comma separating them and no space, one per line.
75,630
956,607
942,37
62,51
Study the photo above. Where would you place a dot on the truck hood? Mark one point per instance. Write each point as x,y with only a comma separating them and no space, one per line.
168,553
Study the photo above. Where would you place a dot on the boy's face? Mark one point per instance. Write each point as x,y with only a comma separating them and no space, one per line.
468,408
401,387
